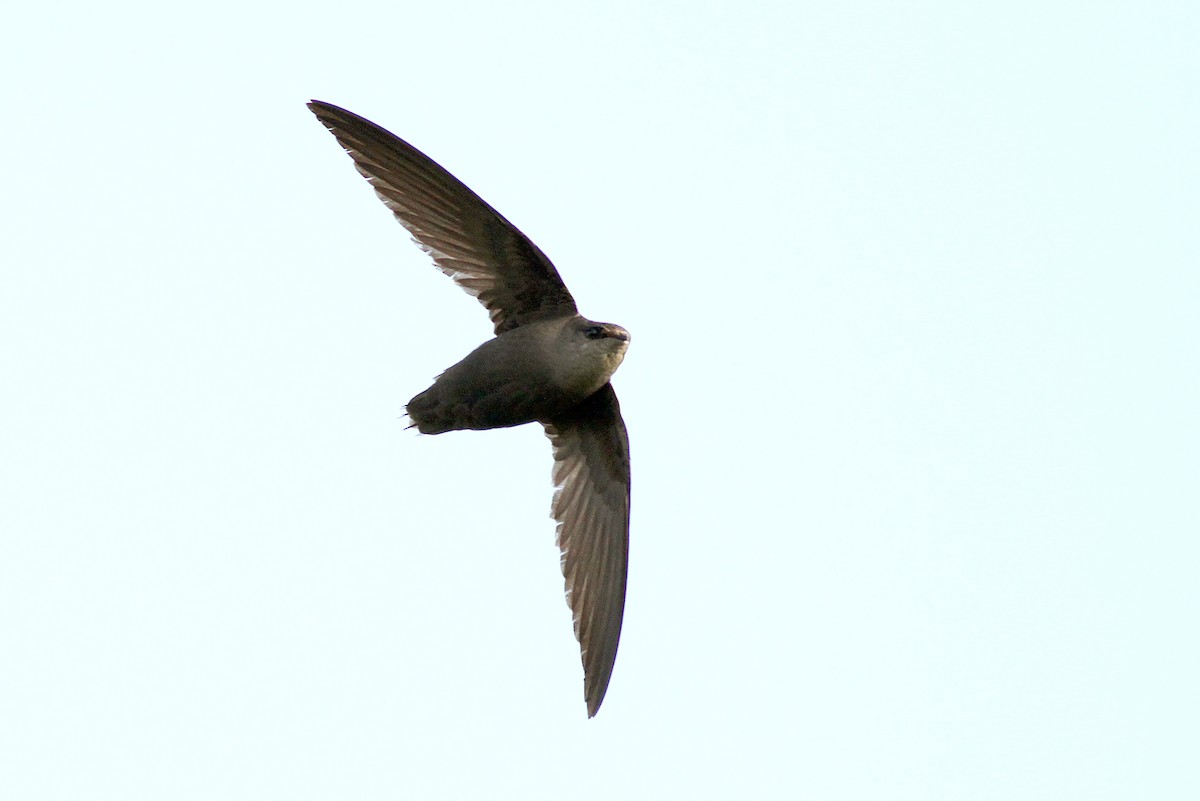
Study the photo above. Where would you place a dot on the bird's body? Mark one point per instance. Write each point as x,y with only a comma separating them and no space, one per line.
532,373
546,364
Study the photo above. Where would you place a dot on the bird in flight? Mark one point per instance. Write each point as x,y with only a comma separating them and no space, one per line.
546,364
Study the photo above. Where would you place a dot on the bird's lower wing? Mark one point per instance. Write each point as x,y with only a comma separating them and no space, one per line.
591,505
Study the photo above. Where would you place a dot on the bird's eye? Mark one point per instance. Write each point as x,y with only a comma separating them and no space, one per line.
593,332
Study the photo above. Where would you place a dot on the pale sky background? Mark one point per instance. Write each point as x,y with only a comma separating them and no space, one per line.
912,397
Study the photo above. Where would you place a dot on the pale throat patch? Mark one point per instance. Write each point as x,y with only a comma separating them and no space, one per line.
591,367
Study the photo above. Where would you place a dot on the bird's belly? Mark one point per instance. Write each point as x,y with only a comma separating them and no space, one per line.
450,407
491,388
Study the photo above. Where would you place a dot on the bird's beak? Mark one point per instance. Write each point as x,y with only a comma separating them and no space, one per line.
616,332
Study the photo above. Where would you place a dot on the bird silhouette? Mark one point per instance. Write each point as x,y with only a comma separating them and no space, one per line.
546,364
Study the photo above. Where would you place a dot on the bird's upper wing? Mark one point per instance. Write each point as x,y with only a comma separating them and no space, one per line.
470,241
591,504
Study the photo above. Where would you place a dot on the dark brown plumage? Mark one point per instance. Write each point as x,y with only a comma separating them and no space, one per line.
547,364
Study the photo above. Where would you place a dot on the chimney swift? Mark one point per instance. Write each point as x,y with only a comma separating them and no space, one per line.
546,364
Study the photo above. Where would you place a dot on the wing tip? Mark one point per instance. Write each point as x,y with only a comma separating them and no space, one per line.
594,699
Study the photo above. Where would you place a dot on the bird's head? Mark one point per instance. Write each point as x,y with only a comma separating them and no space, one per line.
609,339
596,349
